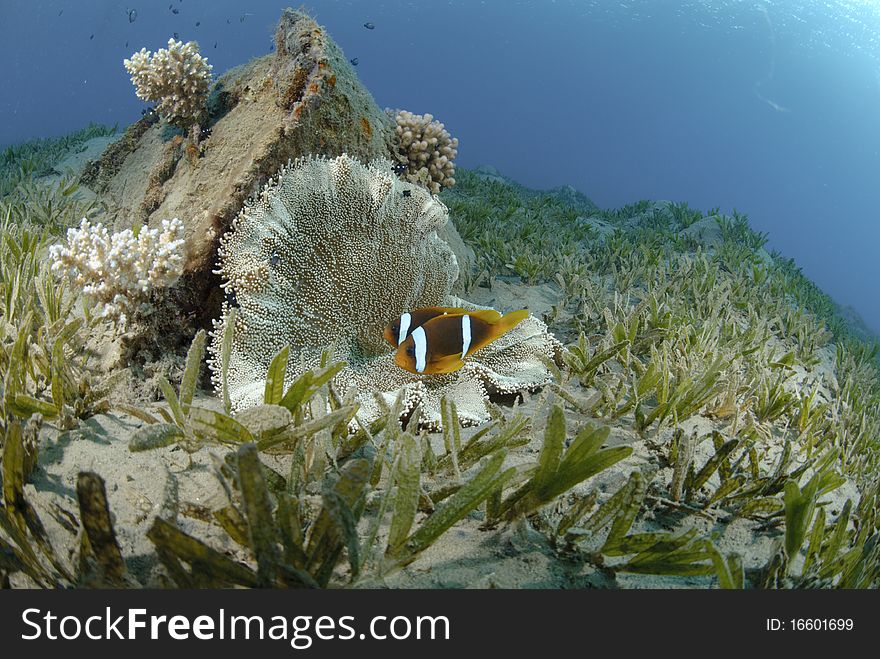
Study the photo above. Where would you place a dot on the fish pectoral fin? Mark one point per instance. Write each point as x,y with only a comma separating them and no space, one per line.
448,364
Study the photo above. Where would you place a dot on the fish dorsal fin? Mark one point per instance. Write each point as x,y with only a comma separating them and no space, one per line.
439,311
487,315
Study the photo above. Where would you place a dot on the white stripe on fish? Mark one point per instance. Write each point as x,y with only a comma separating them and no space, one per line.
465,334
405,321
421,346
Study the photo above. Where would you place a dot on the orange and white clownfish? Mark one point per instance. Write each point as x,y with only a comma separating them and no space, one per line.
441,344
400,328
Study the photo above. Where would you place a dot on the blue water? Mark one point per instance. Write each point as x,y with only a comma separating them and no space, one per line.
772,108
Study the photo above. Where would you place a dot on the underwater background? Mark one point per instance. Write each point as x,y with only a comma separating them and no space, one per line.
556,317
769,108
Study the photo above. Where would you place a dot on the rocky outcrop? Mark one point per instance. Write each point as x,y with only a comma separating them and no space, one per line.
303,99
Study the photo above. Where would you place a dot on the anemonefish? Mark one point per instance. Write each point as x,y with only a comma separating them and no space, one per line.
400,328
441,344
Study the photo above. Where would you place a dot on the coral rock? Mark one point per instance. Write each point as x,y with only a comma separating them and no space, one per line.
261,114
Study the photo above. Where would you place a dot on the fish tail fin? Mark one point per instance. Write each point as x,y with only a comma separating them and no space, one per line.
499,328
511,320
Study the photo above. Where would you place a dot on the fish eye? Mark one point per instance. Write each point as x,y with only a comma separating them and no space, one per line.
411,352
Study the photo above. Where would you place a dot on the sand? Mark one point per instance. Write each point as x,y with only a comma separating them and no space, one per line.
141,486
